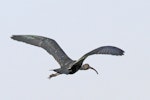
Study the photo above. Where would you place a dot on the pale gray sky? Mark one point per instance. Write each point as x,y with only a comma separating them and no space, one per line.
78,26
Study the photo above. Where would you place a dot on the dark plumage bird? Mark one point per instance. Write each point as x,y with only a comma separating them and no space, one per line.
67,65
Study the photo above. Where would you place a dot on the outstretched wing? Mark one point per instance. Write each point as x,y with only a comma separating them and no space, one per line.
48,44
110,50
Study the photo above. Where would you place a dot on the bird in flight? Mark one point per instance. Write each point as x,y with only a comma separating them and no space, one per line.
67,65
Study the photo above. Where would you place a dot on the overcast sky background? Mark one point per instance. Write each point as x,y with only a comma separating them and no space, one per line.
78,26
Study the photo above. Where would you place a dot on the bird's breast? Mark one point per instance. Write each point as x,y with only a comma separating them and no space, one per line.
74,69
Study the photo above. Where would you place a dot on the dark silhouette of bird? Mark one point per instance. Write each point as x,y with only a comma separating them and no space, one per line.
67,65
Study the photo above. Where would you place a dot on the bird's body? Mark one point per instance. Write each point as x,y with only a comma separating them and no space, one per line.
67,65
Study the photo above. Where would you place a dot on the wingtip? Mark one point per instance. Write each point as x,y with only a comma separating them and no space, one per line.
12,37
123,52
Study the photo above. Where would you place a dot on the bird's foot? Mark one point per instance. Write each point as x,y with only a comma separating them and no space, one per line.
53,75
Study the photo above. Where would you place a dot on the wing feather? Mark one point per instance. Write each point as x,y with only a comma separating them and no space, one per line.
48,44
110,50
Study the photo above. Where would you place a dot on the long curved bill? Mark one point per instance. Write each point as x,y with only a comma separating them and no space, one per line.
94,69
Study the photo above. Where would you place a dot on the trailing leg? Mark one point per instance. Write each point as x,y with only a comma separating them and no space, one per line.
53,75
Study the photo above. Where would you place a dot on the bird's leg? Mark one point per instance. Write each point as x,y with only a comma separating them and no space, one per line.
53,75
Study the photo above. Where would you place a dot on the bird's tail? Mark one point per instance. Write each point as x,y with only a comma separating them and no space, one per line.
59,70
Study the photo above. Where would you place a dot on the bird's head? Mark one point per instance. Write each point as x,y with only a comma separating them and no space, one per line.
87,66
